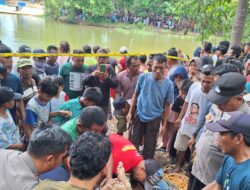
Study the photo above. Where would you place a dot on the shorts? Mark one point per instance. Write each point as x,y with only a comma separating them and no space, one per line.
181,142
121,124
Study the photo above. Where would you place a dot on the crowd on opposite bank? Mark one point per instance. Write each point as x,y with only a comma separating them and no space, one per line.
54,111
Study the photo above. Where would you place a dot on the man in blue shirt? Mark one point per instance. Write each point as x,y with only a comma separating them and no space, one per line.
51,66
12,81
234,140
153,95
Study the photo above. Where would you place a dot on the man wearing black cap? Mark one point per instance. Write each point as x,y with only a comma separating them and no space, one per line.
193,110
226,96
234,140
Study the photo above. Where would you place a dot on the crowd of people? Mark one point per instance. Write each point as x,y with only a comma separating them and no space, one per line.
54,113
119,16
155,20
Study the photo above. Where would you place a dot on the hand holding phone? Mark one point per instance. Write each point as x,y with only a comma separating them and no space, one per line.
102,68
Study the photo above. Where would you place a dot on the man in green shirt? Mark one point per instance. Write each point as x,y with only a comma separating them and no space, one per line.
73,73
91,96
91,118
86,169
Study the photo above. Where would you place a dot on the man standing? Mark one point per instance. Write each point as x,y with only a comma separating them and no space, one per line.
153,96
234,140
172,63
25,69
103,76
226,96
193,110
12,81
72,73
206,58
122,63
51,66
127,79
39,63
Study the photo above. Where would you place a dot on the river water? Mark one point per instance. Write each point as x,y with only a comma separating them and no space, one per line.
37,32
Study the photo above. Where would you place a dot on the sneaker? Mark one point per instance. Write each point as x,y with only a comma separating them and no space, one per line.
162,148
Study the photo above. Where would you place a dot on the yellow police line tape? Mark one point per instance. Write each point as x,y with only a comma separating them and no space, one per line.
81,55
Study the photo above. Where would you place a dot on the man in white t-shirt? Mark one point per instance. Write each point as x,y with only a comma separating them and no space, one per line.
192,110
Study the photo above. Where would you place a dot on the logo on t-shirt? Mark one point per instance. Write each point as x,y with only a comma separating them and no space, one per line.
226,184
128,147
75,81
192,117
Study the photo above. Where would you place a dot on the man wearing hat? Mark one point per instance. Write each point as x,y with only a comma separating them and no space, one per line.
9,133
234,141
226,96
25,69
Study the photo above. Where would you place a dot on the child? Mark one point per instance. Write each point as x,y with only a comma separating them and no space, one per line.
61,96
168,138
121,110
9,133
39,106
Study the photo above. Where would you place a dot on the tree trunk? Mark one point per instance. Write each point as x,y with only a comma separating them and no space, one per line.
239,22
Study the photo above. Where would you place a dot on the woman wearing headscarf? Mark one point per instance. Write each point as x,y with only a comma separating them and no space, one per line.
193,69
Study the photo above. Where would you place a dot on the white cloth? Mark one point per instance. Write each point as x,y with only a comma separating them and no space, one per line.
195,98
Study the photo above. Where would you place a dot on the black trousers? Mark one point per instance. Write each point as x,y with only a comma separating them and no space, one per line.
194,183
146,131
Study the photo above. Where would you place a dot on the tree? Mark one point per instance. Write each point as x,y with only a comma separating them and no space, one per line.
239,22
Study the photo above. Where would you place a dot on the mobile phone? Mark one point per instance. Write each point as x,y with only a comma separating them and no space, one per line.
102,68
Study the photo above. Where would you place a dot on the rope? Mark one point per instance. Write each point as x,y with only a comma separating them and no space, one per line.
180,180
177,179
81,55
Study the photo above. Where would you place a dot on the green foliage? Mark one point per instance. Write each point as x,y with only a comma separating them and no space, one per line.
211,17
246,36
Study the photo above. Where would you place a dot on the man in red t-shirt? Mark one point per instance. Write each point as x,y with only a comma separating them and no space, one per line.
124,151
148,172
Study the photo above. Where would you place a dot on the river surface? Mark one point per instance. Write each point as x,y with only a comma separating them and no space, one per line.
37,32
